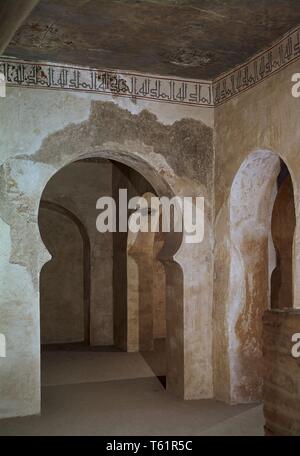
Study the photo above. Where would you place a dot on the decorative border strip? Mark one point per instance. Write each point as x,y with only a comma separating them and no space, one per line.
153,88
258,68
19,73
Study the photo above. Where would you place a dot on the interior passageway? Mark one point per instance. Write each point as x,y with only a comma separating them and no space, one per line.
101,292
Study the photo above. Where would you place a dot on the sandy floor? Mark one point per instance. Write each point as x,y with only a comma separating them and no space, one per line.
114,393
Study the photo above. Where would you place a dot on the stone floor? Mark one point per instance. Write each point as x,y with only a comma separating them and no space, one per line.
114,393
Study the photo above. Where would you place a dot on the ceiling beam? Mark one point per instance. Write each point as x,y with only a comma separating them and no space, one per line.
12,15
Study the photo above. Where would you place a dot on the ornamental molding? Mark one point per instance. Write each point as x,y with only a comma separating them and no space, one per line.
19,73
263,65
209,94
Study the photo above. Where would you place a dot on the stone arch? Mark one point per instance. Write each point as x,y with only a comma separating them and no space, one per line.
22,181
252,261
86,295
174,273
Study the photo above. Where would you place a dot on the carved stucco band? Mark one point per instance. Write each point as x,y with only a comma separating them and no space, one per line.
48,76
19,73
261,66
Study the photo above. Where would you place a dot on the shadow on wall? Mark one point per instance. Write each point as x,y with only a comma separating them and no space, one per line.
283,229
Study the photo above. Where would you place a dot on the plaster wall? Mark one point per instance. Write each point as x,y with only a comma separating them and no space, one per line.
172,146
261,120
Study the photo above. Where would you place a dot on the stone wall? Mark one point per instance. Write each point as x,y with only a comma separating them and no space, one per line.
281,373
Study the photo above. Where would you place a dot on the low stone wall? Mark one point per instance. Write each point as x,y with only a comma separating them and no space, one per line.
281,372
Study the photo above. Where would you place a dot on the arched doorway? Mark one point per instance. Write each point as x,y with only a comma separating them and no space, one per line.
92,295
65,280
111,132
260,254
